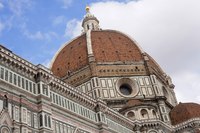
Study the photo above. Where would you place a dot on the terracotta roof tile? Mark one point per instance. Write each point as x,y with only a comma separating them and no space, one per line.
184,111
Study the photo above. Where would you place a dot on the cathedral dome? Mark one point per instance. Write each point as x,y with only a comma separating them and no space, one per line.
102,53
107,45
183,112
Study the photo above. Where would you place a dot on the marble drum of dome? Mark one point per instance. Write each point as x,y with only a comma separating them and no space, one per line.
127,87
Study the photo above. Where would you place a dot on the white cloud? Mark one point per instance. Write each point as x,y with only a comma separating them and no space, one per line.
18,7
166,29
189,86
47,63
38,35
73,28
66,3
59,20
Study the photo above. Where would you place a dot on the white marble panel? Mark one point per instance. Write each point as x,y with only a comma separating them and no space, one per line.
141,81
103,83
89,86
144,91
83,88
105,93
112,93
150,91
110,85
147,81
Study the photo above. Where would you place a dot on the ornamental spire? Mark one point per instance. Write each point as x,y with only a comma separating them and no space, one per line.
90,22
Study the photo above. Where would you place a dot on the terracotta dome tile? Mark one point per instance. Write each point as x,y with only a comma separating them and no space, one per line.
107,45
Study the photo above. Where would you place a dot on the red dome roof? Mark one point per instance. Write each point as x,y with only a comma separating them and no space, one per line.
184,111
107,46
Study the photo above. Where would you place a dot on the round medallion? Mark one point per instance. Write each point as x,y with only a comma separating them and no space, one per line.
127,87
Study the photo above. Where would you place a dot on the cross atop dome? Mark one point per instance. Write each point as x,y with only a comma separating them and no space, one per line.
90,22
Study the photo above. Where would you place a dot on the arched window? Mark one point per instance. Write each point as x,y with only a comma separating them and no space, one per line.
5,102
131,115
92,26
88,27
144,114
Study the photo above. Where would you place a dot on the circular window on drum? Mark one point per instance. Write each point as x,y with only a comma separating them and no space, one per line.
127,87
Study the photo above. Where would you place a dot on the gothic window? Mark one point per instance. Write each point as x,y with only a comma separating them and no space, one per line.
45,120
53,98
19,81
6,75
34,89
38,88
2,73
56,99
59,100
10,78
65,103
15,79
62,102
41,122
68,103
26,84
30,86
5,102
144,114
23,83
49,121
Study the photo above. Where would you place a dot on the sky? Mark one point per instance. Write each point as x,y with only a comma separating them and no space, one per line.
168,30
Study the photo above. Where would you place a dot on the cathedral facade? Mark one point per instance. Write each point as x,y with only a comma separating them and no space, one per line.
99,82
